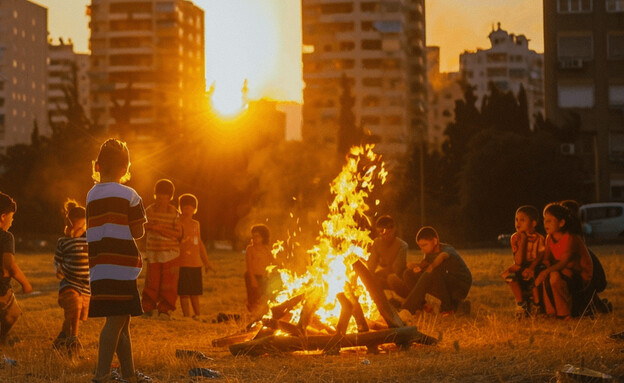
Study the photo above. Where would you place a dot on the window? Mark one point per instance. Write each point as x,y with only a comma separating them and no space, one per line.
370,120
346,46
615,46
390,6
330,9
497,72
575,96
616,146
596,213
497,57
574,6
369,6
370,101
616,95
371,45
575,46
391,45
516,73
371,63
615,5
371,81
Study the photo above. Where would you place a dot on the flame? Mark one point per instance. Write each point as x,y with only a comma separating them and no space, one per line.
341,242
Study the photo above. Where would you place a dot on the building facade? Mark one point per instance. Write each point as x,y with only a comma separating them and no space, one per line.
23,71
380,47
508,64
67,77
443,89
147,65
584,73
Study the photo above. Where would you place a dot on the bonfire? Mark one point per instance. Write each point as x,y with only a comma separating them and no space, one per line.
336,303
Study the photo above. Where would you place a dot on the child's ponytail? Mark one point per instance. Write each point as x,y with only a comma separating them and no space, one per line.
72,211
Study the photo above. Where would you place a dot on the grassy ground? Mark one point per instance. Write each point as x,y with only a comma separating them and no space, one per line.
487,346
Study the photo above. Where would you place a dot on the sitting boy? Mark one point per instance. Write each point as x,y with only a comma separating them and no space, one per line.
443,274
388,253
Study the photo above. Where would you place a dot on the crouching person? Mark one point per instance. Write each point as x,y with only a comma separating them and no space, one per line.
442,274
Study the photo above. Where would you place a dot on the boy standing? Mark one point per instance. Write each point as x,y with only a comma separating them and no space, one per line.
528,248
443,274
163,235
9,310
192,257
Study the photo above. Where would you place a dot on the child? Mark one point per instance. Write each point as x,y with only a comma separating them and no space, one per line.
115,217
71,259
192,256
9,310
528,250
388,254
162,244
569,265
443,274
258,258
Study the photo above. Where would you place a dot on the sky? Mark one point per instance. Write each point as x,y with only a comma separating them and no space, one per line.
260,40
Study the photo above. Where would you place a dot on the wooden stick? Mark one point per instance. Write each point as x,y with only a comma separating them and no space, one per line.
387,311
277,312
358,314
346,309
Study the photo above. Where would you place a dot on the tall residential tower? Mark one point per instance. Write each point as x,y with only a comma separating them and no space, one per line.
23,71
380,47
147,65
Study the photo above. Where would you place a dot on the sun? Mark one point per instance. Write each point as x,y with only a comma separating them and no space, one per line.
242,42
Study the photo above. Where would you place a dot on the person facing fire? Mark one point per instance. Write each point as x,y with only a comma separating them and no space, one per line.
258,257
162,244
443,274
192,257
10,309
71,259
388,256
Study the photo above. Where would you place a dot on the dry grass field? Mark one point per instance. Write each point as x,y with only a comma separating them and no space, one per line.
487,346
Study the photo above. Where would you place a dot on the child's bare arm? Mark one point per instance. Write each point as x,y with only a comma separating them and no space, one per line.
443,256
520,254
137,230
8,262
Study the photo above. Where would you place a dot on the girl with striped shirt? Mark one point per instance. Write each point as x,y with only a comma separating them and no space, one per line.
71,259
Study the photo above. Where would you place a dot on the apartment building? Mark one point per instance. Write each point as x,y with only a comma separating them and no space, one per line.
584,73
23,71
147,65
508,63
443,89
380,47
67,77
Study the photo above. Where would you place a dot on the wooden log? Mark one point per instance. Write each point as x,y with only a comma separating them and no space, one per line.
310,306
346,309
387,311
358,314
232,339
287,327
277,312
401,336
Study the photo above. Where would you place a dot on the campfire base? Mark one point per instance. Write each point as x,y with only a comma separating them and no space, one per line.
403,337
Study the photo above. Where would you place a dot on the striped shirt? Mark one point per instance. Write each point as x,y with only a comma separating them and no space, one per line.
71,258
534,246
114,259
159,248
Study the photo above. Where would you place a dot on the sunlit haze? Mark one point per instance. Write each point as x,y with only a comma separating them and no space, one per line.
260,40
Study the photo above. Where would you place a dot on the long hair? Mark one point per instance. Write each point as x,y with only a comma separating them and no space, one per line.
561,212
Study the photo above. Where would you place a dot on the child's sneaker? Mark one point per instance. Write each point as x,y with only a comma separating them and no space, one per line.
140,377
60,341
522,310
164,316
73,345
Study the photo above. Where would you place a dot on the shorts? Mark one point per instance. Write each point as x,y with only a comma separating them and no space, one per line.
111,297
190,281
9,310
74,303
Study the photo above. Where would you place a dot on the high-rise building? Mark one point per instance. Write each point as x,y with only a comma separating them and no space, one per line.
147,65
584,74
23,71
443,89
67,77
380,47
508,64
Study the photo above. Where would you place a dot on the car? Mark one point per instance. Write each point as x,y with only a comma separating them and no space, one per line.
603,220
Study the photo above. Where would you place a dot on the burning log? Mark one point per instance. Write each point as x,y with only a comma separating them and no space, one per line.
277,312
232,339
402,336
387,311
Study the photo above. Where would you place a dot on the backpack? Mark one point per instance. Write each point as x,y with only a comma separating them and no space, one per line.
599,279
